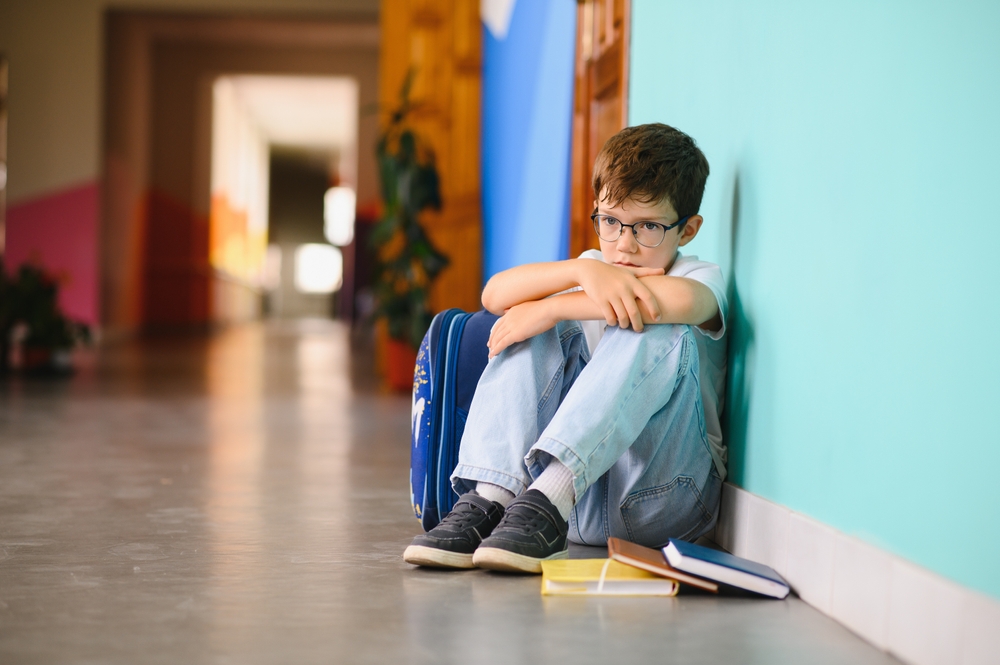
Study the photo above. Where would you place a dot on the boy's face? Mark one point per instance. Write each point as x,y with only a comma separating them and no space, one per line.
626,252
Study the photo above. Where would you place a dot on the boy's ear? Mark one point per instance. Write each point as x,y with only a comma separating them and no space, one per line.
690,230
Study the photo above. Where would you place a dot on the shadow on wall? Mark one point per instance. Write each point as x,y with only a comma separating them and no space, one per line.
741,347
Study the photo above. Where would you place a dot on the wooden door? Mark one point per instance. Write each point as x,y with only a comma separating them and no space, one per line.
600,106
442,41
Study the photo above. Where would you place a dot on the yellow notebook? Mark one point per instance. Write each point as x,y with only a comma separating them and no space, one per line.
601,577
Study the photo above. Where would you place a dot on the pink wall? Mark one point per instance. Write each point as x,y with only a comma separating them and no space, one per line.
59,231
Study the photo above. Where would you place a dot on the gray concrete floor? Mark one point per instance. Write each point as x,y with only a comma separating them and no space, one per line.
243,499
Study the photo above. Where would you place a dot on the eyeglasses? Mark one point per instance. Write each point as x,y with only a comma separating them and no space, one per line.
647,234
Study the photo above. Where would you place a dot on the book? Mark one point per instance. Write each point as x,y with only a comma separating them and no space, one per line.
601,577
725,568
655,562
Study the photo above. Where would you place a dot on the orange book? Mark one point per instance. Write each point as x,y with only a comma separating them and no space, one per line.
653,561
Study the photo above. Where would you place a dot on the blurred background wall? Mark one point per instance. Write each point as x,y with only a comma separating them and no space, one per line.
528,56
87,138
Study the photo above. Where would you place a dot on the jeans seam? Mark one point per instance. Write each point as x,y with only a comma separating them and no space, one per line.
569,332
547,393
605,514
559,377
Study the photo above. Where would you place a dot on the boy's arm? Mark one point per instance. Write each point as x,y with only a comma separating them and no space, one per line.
616,291
531,281
680,300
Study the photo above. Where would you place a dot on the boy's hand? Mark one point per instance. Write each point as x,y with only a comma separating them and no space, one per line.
618,292
519,323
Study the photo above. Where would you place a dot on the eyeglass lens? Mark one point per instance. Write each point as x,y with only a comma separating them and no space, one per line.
648,234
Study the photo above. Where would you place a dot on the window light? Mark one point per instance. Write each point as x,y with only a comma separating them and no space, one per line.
318,268
338,215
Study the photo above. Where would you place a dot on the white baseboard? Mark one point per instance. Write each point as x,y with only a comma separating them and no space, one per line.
913,613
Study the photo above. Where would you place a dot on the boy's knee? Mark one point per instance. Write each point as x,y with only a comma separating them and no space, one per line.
568,336
662,335
663,347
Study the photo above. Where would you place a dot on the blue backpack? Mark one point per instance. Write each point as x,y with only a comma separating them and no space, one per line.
450,361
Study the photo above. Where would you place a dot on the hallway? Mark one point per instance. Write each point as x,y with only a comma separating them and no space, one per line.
242,498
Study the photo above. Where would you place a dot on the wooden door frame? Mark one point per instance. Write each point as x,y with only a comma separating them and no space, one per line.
595,71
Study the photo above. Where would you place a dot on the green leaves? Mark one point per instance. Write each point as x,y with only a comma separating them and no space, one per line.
406,259
30,297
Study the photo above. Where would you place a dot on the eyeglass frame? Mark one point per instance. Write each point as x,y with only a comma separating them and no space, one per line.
622,225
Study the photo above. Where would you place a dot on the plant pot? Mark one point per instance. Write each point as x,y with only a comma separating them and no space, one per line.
45,360
35,358
381,347
401,358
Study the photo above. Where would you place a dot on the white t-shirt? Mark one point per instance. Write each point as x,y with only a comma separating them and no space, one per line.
711,346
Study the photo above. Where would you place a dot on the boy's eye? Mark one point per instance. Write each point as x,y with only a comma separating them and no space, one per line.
649,226
609,221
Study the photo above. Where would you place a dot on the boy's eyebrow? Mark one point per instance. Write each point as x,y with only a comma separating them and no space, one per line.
644,219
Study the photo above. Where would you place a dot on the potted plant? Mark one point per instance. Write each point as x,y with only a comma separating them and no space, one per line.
28,302
406,261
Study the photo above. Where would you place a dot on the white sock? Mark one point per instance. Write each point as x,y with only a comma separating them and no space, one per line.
556,482
492,492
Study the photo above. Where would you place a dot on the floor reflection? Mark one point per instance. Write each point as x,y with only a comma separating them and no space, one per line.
243,498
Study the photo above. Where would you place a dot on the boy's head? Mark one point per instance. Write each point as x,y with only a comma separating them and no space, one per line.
649,164
649,173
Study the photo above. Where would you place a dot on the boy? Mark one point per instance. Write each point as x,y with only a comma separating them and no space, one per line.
597,414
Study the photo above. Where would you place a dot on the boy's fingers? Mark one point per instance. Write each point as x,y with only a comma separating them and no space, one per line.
647,297
638,271
625,315
504,341
496,347
609,315
634,315
498,333
498,342
621,315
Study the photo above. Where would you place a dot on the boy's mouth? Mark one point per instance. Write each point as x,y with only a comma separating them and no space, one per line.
626,264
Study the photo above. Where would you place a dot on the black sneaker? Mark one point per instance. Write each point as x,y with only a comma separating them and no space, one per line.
451,543
531,531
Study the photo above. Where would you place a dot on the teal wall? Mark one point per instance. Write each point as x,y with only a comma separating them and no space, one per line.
854,203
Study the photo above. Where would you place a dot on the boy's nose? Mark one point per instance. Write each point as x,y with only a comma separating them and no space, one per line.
626,241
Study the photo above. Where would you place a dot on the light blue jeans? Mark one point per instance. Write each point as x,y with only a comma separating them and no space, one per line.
628,423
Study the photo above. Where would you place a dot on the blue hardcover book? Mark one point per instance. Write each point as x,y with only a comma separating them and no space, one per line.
726,568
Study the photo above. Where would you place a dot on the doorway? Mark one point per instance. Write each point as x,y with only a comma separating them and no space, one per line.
283,195
161,266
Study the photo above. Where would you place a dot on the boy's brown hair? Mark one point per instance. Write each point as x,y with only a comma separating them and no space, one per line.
650,163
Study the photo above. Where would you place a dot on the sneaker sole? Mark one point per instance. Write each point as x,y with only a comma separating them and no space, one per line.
419,555
494,558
